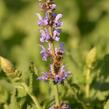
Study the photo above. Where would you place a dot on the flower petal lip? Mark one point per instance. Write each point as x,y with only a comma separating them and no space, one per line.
56,34
43,21
56,38
53,6
39,16
44,53
44,77
45,36
56,20
58,16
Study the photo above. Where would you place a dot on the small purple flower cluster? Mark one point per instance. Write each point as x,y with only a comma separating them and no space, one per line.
53,21
49,33
62,106
58,78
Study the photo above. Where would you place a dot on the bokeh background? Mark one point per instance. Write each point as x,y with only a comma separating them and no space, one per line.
86,25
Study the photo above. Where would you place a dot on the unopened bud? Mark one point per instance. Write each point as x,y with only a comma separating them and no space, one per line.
91,58
7,67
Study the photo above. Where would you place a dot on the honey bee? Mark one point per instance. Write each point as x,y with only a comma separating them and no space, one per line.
58,58
57,62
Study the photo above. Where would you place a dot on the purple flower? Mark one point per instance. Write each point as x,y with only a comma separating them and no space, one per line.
45,36
56,34
57,22
60,50
44,53
58,79
65,106
44,77
62,106
58,16
52,7
64,73
62,47
61,76
42,21
48,6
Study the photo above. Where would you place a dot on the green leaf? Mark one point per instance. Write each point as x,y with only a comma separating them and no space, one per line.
106,106
14,103
21,93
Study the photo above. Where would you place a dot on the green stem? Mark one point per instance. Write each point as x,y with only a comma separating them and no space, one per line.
87,87
35,100
56,94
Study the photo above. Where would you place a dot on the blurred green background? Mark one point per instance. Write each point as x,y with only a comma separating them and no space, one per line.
86,25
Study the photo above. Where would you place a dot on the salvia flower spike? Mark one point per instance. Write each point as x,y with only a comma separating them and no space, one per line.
50,25
50,31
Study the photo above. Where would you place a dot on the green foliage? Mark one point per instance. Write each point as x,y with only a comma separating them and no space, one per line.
106,106
85,27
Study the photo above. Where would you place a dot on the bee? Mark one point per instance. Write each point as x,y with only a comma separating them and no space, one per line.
59,57
58,61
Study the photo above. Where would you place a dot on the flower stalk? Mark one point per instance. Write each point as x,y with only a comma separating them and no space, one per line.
50,34
57,101
87,87
56,95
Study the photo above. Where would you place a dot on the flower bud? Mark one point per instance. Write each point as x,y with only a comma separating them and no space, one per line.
91,58
7,67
